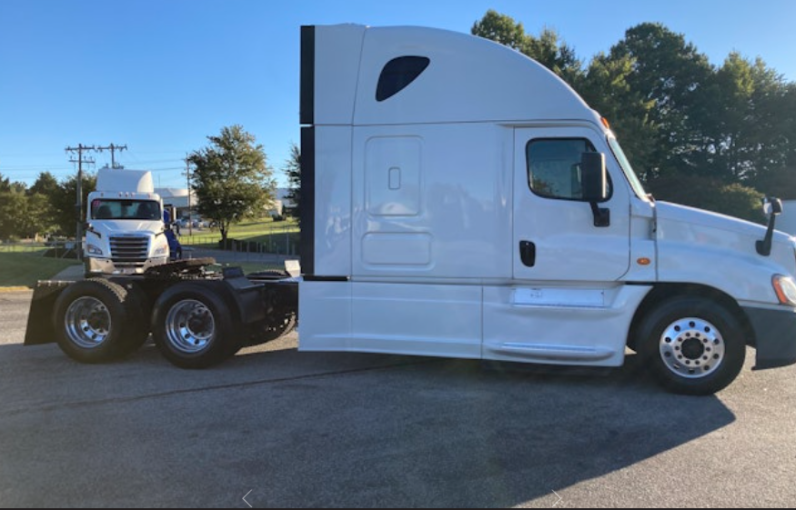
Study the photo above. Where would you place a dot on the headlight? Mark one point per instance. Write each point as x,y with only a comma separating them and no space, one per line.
162,250
785,288
93,250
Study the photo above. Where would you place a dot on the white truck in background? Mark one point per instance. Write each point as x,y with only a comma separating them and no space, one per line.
125,232
458,199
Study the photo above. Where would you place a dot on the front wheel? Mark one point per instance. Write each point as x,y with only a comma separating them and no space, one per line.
692,345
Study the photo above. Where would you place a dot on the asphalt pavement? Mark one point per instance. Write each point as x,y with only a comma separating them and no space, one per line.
280,427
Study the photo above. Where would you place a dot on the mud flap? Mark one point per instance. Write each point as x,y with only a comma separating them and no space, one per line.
40,328
775,336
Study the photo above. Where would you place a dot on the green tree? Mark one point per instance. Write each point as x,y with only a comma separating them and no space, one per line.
63,202
293,172
13,206
22,215
775,162
501,29
548,49
5,184
673,75
607,89
771,146
46,186
231,178
39,218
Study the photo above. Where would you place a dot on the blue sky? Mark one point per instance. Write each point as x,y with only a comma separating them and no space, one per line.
162,75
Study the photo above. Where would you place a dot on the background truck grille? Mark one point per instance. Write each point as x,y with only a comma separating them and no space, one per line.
129,251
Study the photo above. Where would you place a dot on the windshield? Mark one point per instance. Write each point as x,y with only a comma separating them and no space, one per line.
632,178
112,209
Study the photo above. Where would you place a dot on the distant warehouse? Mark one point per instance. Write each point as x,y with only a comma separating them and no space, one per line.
178,197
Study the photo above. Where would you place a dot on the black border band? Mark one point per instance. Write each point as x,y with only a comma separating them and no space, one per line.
315,278
307,97
308,201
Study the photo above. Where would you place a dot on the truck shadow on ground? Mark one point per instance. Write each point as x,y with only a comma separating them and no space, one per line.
340,429
435,432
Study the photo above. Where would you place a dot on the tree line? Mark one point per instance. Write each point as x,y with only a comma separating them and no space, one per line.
47,207
715,137
231,178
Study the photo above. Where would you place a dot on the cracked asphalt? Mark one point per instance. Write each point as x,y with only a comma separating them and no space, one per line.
286,428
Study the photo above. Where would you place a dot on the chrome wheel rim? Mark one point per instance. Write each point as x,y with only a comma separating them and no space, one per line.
190,326
692,348
87,322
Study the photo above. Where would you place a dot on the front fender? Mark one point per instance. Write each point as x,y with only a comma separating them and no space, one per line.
743,276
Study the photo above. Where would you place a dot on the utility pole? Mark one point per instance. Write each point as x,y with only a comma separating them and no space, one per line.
113,148
79,201
188,178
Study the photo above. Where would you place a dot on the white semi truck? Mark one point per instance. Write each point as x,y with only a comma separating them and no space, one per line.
460,200
125,232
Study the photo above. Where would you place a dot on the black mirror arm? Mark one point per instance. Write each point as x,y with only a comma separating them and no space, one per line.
764,246
602,215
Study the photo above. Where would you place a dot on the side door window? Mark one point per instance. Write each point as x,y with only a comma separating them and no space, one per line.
554,167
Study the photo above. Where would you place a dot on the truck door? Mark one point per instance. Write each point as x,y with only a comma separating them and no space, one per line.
558,236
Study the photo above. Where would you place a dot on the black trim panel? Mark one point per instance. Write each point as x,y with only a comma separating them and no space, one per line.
308,201
317,278
775,336
307,99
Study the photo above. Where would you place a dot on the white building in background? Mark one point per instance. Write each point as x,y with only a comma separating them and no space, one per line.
281,204
178,197
281,197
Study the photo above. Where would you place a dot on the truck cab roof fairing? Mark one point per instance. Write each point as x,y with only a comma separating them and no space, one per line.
468,79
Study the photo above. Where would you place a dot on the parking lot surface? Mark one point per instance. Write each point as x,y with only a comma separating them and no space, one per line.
283,428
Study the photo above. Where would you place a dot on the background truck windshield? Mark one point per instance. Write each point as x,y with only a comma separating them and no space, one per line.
112,209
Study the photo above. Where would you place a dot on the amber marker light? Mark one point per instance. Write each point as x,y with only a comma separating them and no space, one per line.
643,261
785,289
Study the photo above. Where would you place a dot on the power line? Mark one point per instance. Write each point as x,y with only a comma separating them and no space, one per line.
113,148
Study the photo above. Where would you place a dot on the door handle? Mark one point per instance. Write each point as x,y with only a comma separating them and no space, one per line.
528,253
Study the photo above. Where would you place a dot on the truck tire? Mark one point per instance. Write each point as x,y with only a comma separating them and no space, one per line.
92,321
692,345
272,328
268,330
193,327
